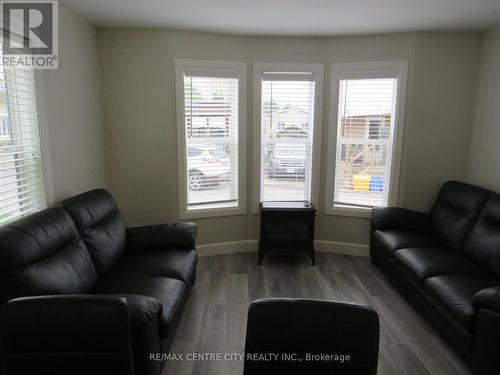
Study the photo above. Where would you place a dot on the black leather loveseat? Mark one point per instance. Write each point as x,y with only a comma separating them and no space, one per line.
108,295
448,263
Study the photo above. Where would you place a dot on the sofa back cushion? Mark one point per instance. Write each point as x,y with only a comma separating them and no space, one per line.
483,243
43,254
101,226
455,211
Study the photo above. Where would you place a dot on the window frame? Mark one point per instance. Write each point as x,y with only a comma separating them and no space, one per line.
45,165
43,135
365,70
211,68
258,70
40,113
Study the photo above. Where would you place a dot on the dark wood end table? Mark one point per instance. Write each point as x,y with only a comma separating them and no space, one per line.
287,227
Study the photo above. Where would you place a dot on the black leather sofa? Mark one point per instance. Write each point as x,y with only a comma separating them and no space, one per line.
97,297
447,262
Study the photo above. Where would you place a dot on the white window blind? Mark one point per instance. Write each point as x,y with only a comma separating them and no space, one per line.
287,125
21,178
211,135
365,137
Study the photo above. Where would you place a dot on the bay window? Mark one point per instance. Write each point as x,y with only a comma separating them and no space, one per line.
211,138
288,113
365,135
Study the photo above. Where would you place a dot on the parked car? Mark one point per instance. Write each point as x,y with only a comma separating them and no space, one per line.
287,160
208,165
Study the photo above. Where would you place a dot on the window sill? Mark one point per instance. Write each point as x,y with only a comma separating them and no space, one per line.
349,211
211,212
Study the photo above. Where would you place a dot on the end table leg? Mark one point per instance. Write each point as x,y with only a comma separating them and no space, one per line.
260,252
313,258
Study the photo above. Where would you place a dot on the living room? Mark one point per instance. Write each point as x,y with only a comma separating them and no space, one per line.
250,187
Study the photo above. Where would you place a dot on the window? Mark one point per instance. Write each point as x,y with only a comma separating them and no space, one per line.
211,116
368,119
21,178
289,118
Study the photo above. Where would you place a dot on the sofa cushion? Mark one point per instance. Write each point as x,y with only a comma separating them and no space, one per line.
168,291
101,226
399,239
43,254
176,264
454,294
422,263
483,243
455,211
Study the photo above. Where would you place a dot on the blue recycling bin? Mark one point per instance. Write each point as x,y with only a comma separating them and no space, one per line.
377,184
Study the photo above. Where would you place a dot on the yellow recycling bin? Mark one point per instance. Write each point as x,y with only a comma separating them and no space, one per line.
361,182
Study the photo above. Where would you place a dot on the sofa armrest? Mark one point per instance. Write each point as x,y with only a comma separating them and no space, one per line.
488,298
486,338
64,332
486,341
400,218
162,236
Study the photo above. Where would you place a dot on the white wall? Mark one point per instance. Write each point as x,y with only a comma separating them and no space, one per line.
484,161
442,108
137,80
73,112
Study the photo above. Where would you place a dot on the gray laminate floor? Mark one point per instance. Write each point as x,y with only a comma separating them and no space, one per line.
215,317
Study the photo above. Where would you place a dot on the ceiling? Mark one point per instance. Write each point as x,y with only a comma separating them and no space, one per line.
293,17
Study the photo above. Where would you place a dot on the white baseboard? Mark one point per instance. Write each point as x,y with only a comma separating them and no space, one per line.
227,248
244,246
337,247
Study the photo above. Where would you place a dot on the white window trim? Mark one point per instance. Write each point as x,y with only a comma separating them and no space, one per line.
365,70
43,131
43,135
40,113
258,70
214,67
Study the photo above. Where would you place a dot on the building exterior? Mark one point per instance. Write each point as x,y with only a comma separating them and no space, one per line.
365,147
